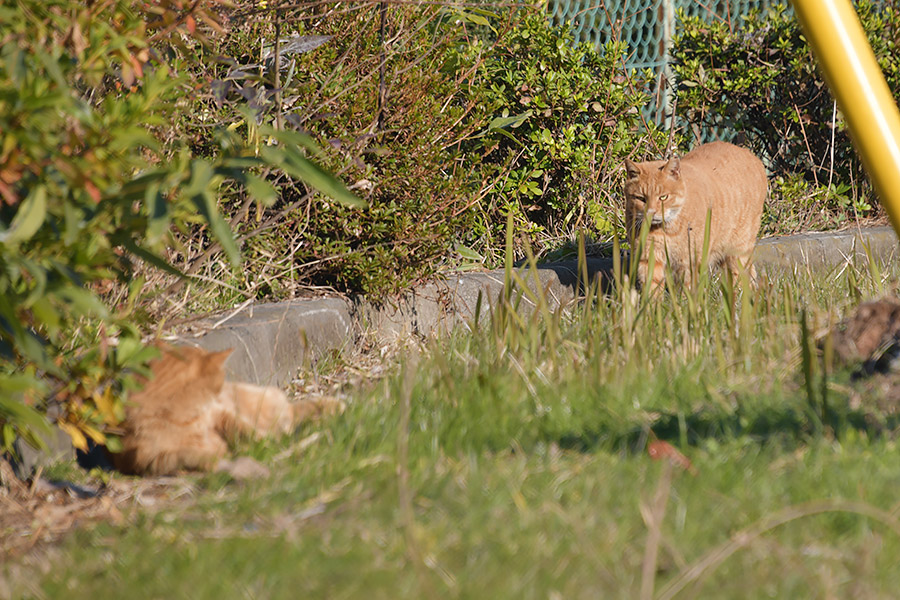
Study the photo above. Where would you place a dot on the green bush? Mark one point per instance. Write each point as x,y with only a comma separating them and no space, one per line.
552,123
761,80
394,154
86,188
452,150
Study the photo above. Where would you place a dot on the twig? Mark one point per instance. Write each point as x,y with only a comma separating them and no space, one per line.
277,53
833,127
671,129
174,24
806,141
232,314
382,85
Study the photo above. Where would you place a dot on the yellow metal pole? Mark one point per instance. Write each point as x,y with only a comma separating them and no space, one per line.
854,77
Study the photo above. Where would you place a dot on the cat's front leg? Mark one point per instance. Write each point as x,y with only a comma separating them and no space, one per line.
655,279
742,264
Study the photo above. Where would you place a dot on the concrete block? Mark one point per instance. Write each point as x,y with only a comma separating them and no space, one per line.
437,307
824,250
271,341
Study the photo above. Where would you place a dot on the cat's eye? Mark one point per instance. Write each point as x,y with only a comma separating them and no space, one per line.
663,197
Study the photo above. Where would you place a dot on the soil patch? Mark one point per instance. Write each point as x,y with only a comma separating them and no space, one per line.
41,512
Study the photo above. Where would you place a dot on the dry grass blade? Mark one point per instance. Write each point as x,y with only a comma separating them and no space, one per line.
743,538
653,518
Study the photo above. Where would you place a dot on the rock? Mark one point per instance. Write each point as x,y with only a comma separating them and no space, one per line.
870,335
59,449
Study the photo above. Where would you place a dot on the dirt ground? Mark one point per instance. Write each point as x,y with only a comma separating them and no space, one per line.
40,512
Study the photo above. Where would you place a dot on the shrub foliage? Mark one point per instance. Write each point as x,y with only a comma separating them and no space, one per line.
554,120
86,188
475,115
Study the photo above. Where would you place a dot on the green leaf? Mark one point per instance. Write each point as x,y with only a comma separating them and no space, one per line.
52,65
24,418
16,383
468,253
45,313
132,353
157,212
474,18
486,13
259,188
296,165
132,137
27,344
72,223
113,444
507,134
29,218
503,122
201,177
150,257
292,139
241,162
136,189
206,205
85,302
38,282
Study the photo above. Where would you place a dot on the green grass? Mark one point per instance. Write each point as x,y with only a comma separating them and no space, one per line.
511,462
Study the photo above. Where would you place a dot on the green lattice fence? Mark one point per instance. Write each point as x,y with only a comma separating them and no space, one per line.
647,26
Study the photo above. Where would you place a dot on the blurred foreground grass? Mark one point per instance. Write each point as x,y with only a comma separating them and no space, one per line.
510,461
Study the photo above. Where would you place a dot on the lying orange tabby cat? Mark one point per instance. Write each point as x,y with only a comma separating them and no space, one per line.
187,413
675,195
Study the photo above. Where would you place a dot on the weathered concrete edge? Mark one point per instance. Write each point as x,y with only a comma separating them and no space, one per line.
272,341
826,249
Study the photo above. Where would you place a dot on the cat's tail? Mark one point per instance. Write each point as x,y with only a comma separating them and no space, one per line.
309,409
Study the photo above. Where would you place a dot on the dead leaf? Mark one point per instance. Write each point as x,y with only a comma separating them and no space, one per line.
127,74
75,38
93,191
8,195
137,66
78,439
658,449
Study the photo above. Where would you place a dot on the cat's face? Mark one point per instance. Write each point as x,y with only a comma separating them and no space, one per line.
654,190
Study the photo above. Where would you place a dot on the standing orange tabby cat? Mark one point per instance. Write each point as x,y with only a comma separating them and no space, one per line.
187,413
720,178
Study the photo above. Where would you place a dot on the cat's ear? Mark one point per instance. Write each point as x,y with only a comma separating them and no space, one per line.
631,169
673,168
215,361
